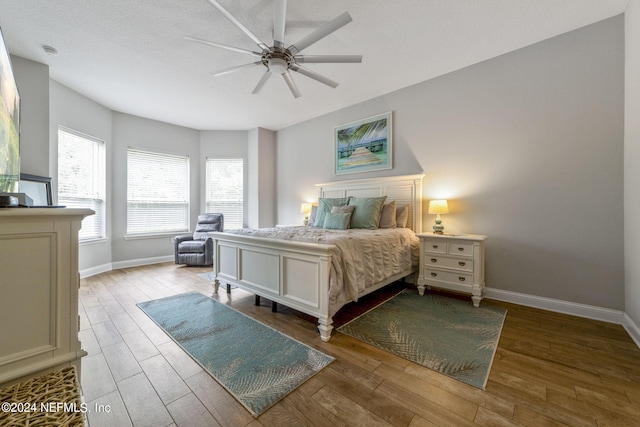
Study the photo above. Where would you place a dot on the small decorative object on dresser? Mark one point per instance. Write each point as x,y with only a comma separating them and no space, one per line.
438,207
453,262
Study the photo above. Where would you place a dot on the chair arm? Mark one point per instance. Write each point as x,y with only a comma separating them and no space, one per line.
182,238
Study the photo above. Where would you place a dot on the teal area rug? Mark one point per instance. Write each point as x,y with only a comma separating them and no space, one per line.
447,335
256,364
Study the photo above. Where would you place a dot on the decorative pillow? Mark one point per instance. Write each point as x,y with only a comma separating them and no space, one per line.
336,220
388,215
367,212
324,207
402,215
344,209
312,215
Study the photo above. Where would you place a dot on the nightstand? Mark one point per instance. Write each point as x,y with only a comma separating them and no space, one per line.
452,262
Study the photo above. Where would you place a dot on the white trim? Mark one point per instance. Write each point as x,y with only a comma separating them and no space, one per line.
559,306
142,261
92,271
632,328
88,272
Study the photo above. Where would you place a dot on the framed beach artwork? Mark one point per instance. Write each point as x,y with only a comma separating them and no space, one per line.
364,145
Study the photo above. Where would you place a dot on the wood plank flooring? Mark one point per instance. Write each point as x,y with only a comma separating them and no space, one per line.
550,369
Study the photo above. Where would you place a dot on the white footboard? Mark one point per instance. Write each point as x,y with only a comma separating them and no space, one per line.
295,274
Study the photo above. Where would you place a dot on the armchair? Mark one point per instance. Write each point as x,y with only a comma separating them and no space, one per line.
197,248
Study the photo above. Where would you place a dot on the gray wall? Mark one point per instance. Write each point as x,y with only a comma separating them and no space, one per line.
132,131
77,112
225,144
528,148
631,155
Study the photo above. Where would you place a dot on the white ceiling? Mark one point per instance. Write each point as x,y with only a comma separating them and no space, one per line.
131,56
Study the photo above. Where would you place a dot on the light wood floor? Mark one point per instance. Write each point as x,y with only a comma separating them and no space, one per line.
550,369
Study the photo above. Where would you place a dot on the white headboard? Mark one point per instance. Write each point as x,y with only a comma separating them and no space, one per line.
405,190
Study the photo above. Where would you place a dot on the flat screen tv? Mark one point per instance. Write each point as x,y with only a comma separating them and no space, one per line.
9,124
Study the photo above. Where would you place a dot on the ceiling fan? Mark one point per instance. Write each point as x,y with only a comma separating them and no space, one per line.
281,60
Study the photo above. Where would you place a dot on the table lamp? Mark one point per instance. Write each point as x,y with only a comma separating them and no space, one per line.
438,207
305,208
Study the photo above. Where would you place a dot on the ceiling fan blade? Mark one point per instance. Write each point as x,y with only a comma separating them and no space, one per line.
292,85
238,24
223,46
325,59
320,33
279,22
315,76
262,81
236,68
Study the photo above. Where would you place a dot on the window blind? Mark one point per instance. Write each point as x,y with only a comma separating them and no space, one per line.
225,190
157,192
81,179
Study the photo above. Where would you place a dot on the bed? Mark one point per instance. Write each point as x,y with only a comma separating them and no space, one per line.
301,274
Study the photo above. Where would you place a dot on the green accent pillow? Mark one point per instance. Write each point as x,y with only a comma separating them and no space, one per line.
324,207
337,220
367,212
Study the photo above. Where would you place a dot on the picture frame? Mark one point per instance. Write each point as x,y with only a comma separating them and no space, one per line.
38,188
9,124
364,145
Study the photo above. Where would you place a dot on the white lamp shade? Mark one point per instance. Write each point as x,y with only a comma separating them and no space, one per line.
305,208
438,207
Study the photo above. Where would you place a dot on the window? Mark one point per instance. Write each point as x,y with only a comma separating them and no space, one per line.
157,192
225,190
81,179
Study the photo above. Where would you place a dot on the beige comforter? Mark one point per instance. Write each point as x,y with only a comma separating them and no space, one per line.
362,257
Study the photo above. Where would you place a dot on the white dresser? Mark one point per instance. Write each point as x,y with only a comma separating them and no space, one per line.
453,262
39,291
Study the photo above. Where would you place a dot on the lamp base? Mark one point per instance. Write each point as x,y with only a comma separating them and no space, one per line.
438,228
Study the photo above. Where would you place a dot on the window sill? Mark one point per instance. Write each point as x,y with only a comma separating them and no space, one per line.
153,235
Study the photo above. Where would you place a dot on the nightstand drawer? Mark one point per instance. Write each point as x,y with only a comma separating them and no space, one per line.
435,246
450,263
447,276
461,249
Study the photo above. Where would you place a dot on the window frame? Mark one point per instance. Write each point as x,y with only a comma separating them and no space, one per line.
131,233
98,203
229,222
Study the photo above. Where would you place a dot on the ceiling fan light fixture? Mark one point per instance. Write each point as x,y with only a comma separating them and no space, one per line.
278,65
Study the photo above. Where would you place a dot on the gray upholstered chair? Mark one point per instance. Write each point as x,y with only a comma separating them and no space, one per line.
197,248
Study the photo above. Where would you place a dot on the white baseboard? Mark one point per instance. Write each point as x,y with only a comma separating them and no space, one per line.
632,328
88,272
142,261
124,264
559,306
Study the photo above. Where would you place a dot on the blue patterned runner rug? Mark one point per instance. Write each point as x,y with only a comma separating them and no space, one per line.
447,335
255,363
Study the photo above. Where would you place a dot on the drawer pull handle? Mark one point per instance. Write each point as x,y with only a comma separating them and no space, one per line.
434,259
434,274
461,249
462,264
435,246
462,279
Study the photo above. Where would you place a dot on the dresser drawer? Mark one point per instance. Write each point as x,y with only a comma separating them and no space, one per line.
435,246
461,249
462,264
449,276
